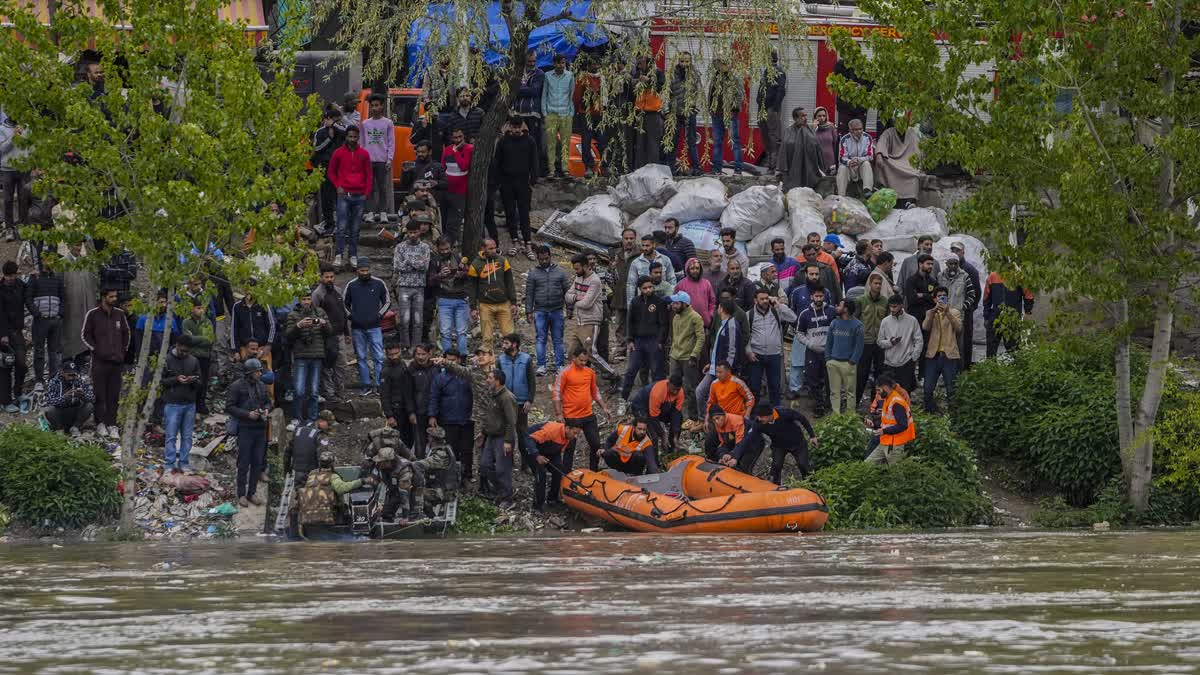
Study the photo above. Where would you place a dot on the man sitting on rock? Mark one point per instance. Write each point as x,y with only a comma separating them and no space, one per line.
69,399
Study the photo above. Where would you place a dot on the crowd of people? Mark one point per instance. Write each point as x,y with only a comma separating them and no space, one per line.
705,349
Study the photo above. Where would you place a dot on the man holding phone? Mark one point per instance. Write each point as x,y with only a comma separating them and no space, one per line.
901,341
181,382
943,325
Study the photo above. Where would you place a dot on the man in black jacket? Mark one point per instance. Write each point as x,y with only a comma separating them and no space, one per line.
325,141
790,433
421,372
47,295
304,451
919,296
249,405
466,116
395,393
327,297
516,173
12,336
181,382
648,322
424,167
771,92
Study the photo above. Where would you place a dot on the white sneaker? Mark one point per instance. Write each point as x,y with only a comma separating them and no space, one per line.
620,408
354,262
337,260
293,425
101,431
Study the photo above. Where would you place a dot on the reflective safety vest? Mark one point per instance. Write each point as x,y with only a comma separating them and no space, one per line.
626,446
887,419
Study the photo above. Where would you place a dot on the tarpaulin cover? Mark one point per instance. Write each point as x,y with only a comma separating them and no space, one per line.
564,37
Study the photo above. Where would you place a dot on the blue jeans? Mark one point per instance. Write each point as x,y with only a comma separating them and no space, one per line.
349,220
364,339
718,143
552,323
308,388
945,367
770,364
687,125
454,322
796,367
645,356
179,419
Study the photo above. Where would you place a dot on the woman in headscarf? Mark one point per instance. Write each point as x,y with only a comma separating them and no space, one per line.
799,158
827,140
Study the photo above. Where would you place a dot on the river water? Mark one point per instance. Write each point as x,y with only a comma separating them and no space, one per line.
949,602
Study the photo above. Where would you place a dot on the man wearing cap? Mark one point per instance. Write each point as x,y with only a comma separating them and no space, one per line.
546,288
309,441
367,300
901,340
433,466
315,506
687,344
69,399
181,382
248,404
790,433
410,265
726,432
397,478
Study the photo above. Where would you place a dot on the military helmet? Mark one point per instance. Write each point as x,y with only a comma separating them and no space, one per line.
385,455
326,458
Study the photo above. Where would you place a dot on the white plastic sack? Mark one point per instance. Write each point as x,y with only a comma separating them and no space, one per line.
901,228
647,223
705,234
803,217
846,215
596,219
648,187
696,199
803,196
848,242
974,250
761,243
753,210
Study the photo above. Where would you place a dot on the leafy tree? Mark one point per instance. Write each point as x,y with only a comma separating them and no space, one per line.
457,55
1087,128
184,150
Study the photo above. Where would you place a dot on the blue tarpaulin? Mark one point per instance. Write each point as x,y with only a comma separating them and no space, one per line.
561,37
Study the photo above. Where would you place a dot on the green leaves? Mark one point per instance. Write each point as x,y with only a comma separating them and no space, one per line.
47,480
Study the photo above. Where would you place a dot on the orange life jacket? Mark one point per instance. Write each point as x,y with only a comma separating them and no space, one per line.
626,446
887,419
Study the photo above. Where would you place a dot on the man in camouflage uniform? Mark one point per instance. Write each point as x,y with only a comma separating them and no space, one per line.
314,505
400,479
438,458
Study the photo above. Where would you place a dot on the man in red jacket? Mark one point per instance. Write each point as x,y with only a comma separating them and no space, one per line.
350,173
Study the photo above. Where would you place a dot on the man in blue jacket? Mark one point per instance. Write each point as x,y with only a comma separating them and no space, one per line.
843,351
450,404
366,299
520,378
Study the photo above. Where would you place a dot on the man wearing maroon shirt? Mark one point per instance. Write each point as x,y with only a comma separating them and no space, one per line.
456,158
350,173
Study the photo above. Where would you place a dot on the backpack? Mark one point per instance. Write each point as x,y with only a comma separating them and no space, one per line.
317,500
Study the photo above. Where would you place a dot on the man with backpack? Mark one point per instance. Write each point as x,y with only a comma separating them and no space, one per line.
317,500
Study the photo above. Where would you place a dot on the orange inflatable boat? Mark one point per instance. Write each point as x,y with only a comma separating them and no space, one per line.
693,496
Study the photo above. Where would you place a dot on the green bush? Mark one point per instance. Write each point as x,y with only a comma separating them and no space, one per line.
988,404
913,493
45,479
936,442
840,438
1111,506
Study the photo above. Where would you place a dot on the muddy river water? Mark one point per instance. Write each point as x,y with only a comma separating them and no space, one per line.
977,601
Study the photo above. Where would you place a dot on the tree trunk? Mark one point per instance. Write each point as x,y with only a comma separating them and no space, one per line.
1123,390
135,420
1143,451
493,121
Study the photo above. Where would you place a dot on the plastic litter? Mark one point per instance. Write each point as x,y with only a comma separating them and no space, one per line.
649,187
697,199
881,203
596,219
753,210
226,509
846,215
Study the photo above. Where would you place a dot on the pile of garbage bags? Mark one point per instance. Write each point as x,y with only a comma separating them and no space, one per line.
179,505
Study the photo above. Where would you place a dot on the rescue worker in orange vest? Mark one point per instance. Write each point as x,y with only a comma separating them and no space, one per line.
662,403
549,444
630,449
896,427
725,436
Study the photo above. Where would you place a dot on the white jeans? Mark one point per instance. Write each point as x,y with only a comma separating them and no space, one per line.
861,172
